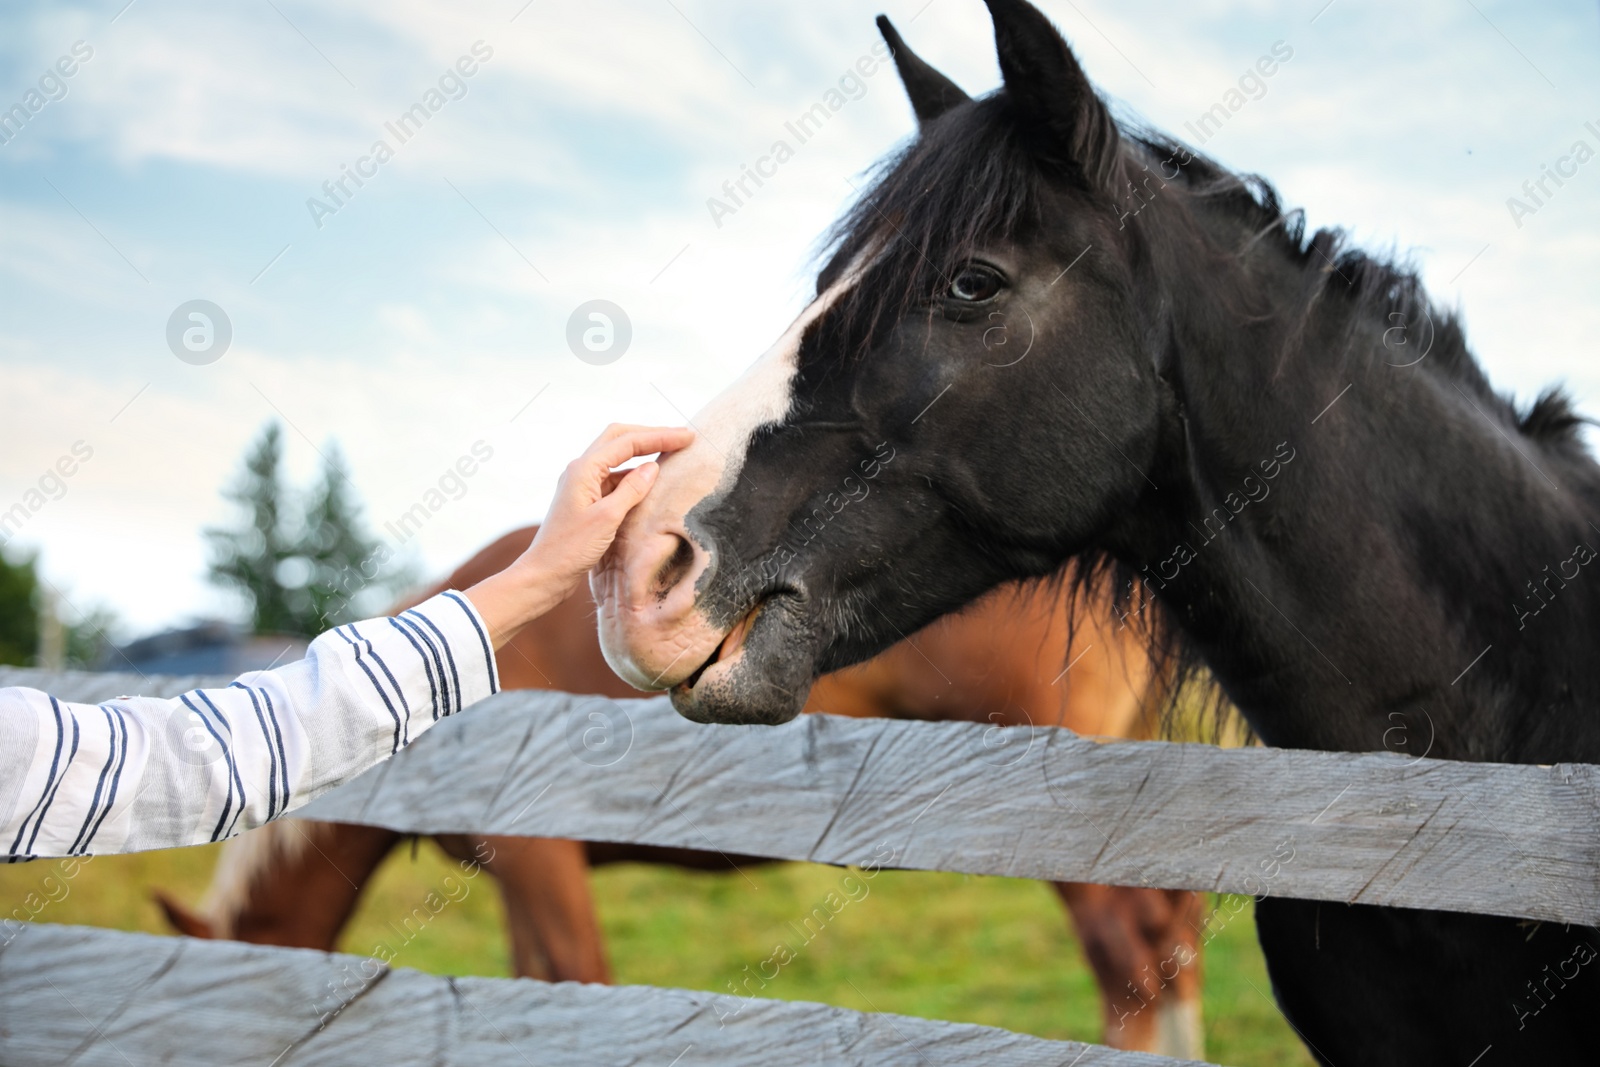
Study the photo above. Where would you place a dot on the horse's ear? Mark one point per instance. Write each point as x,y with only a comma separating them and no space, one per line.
1067,122
931,93
181,919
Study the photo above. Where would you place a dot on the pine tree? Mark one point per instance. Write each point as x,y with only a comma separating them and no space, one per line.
19,616
347,565
252,557
302,569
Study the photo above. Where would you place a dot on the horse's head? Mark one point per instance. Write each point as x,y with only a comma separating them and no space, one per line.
969,399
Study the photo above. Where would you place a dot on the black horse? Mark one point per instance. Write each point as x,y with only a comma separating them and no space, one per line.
1045,336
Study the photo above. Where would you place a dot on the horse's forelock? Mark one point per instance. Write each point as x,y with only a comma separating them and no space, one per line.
966,181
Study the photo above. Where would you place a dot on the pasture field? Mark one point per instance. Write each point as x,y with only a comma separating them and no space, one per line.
987,950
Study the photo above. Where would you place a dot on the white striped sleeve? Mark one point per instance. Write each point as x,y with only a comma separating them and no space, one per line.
140,773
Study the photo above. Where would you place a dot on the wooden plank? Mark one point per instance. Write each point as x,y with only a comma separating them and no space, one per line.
1375,828
100,997
90,687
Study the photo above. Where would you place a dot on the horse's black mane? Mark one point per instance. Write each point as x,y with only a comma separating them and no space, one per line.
1378,290
970,180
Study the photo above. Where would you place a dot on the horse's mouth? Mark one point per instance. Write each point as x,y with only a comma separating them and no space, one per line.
759,673
727,650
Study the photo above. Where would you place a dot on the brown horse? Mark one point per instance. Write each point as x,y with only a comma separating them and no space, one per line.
1008,661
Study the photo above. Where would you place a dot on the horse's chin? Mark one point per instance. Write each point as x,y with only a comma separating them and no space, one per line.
760,674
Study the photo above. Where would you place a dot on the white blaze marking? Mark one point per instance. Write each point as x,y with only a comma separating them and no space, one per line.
643,631
760,396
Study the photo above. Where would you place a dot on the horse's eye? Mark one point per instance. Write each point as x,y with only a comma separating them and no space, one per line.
975,283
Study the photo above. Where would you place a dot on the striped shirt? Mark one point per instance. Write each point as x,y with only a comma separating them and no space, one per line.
140,773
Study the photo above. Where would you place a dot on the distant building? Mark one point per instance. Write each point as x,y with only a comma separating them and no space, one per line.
209,648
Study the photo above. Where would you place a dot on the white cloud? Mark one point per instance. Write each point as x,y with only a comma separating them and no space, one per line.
408,329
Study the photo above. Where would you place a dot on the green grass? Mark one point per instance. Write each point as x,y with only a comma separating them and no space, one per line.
986,950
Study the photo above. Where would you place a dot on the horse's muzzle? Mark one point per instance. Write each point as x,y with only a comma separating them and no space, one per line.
762,671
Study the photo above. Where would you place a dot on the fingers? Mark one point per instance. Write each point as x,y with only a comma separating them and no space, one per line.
630,489
618,430
634,441
615,430
592,480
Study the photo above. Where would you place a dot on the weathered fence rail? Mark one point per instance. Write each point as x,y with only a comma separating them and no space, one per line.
1374,828
100,998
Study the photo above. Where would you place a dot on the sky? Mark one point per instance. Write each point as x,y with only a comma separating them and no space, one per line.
193,154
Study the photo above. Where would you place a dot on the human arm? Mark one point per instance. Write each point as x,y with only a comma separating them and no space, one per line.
142,773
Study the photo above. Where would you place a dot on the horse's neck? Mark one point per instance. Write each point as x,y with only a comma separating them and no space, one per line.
1351,544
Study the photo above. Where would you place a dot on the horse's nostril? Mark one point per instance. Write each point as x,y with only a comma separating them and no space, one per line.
675,569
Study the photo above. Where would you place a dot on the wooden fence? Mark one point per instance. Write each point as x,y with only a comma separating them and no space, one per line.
1371,828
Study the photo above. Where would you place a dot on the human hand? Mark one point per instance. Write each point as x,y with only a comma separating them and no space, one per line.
592,498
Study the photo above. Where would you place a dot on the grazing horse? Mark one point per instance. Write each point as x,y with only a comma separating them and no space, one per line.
296,882
1043,336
